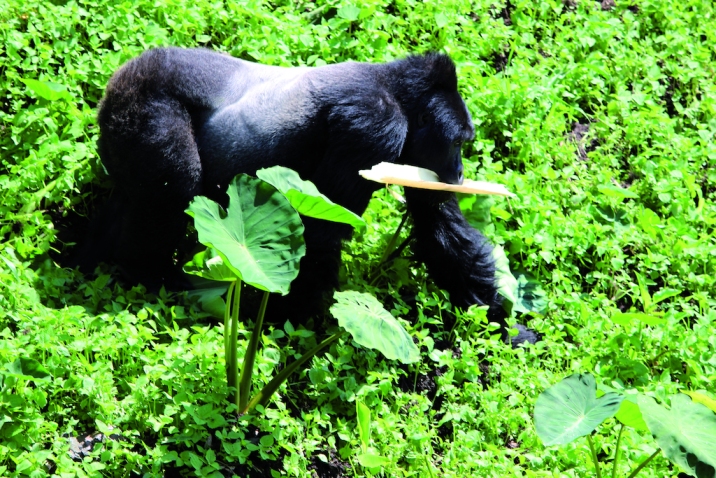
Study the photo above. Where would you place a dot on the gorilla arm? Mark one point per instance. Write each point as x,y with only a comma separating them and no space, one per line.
457,256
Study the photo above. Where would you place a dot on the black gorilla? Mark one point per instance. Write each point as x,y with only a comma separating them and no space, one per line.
177,123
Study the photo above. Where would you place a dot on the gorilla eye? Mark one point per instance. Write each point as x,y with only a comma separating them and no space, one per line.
423,119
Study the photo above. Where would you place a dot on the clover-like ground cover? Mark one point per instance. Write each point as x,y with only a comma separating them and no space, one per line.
600,116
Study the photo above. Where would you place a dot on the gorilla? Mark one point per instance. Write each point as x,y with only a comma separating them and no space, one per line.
176,123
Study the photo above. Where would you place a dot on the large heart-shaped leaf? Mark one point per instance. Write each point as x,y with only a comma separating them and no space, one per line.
686,433
372,326
570,409
304,196
260,237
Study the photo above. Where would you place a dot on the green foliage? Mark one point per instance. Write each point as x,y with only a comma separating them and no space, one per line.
569,410
577,110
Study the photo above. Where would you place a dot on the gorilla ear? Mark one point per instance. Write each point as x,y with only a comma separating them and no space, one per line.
441,71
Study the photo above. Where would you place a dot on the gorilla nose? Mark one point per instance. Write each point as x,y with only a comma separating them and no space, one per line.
460,175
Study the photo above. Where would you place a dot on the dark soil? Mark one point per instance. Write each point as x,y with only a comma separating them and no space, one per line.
579,136
608,5
333,468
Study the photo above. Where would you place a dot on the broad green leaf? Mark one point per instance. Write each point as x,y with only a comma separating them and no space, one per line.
616,192
522,293
371,460
28,367
506,282
686,433
208,264
626,318
210,295
372,326
530,295
260,237
703,399
349,12
630,415
363,417
664,294
305,198
570,409
46,89
441,19
644,291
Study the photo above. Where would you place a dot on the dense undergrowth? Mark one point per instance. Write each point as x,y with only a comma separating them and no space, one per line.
599,116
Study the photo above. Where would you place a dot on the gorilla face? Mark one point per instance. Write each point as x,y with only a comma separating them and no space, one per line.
436,134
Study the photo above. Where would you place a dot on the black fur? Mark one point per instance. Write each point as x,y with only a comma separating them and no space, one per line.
178,123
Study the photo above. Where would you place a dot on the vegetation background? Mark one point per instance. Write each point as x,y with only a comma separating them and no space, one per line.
600,116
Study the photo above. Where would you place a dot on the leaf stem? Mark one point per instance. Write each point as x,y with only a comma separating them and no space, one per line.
233,360
644,463
247,367
262,398
389,248
616,452
594,456
227,325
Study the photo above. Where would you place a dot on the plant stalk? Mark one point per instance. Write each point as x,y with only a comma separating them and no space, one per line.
247,368
389,248
232,360
393,240
616,452
262,398
644,463
227,325
594,456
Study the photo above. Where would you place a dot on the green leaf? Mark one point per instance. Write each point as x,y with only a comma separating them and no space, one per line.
627,318
372,326
664,294
630,415
530,295
28,367
363,417
522,292
506,282
304,196
210,296
570,409
349,12
46,89
686,433
611,190
371,460
703,399
260,237
441,19
208,264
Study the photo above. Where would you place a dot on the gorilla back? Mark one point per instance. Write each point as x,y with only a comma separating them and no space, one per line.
178,123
